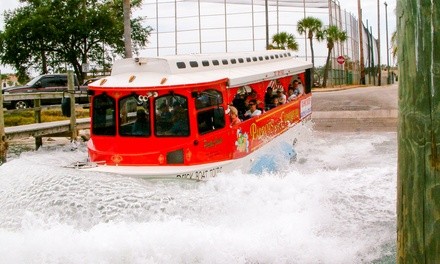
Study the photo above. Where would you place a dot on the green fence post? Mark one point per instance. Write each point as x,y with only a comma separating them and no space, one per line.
418,182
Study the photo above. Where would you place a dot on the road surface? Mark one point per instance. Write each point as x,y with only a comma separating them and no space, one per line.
357,109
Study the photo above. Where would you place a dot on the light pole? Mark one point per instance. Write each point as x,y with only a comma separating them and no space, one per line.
266,7
388,57
379,71
361,44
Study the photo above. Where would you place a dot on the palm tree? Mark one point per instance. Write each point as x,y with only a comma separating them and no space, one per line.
332,35
285,41
394,44
310,26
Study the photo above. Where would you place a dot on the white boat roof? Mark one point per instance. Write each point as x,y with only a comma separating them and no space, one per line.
239,69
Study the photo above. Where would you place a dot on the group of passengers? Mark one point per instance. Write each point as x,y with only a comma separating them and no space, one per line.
272,100
244,109
169,122
175,121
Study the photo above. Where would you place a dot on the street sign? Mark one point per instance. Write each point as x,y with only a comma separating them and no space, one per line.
340,59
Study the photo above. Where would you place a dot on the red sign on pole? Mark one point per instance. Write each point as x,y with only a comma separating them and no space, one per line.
340,59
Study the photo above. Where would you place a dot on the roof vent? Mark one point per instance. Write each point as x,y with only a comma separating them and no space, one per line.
141,60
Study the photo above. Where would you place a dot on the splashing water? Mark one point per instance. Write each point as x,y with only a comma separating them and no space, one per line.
335,204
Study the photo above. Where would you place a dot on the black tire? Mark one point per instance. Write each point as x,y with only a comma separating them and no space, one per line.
21,104
65,106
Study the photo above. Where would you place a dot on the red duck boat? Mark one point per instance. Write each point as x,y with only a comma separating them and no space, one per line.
172,116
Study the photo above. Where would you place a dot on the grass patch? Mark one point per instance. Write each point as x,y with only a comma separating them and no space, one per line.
25,117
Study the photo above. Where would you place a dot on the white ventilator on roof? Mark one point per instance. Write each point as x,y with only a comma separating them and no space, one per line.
238,68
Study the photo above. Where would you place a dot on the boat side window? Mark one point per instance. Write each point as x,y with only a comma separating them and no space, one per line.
211,115
103,118
181,65
134,116
171,116
208,98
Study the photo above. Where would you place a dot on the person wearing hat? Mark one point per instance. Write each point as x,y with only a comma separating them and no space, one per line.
281,96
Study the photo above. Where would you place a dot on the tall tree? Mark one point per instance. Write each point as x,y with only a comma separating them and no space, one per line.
333,35
285,41
311,26
53,32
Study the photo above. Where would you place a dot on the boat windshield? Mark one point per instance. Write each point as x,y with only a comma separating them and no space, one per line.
103,118
171,116
134,116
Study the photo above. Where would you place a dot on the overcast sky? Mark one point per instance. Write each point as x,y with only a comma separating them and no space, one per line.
369,12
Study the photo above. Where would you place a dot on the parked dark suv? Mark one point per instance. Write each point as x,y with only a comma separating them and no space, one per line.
43,83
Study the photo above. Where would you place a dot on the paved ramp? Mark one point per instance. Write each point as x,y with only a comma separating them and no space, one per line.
358,109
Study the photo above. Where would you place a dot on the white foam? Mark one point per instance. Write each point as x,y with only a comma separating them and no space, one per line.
336,204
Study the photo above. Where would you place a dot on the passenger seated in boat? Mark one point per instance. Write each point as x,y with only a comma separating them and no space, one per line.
238,103
253,111
300,89
268,98
233,113
180,121
275,102
296,90
254,96
282,98
163,118
180,124
141,127
291,96
165,113
251,96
